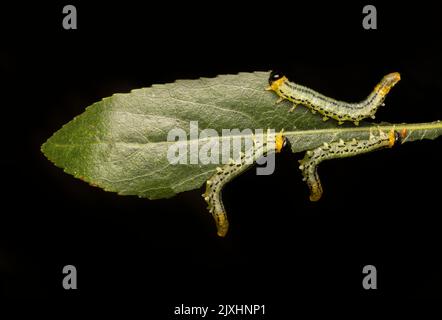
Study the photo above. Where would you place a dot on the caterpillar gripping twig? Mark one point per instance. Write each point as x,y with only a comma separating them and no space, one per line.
342,149
213,195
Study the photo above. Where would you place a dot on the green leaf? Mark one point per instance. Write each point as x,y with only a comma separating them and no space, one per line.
120,143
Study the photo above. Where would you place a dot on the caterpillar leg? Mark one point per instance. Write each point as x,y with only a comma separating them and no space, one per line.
279,101
295,105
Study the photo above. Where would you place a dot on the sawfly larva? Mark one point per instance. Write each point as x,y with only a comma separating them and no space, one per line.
342,149
328,107
225,174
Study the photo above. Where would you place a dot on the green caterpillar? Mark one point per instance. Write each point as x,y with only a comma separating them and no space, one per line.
328,107
225,174
342,149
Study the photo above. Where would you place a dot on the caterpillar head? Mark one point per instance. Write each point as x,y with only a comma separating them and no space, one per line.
275,80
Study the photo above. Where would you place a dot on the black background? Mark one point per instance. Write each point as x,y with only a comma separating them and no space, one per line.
381,208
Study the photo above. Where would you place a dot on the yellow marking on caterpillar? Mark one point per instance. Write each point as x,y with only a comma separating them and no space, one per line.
392,78
391,138
279,141
277,84
222,224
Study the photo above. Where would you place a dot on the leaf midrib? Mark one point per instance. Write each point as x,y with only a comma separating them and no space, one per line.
419,126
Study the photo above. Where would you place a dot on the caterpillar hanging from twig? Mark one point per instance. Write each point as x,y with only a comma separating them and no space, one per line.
225,174
342,149
328,107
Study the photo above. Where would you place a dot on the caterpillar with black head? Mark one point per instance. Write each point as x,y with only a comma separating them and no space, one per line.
225,174
342,149
328,107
